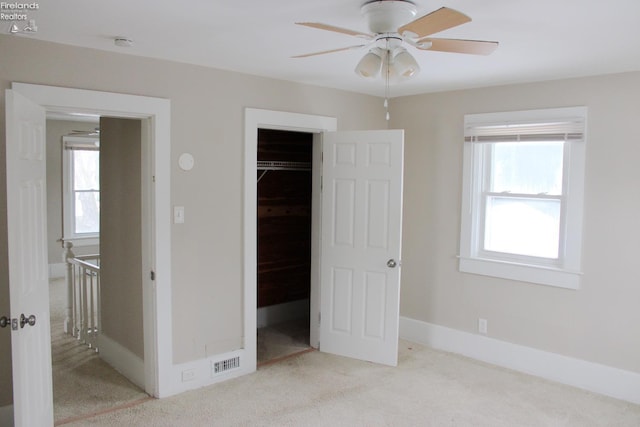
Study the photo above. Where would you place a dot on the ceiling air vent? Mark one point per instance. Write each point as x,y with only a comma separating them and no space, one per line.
226,365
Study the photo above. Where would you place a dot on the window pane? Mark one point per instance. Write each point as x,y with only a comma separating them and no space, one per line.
87,212
86,170
527,168
522,226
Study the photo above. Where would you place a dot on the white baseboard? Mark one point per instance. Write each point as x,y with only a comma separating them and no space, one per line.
613,382
200,373
6,415
57,271
122,360
279,313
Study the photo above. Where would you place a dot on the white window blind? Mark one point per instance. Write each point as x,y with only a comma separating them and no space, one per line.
566,130
78,143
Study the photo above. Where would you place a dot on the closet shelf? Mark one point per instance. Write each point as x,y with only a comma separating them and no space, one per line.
276,165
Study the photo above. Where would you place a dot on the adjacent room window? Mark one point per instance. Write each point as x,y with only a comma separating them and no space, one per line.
81,189
523,195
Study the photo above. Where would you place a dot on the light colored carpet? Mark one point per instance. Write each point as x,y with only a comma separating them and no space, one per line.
82,382
428,388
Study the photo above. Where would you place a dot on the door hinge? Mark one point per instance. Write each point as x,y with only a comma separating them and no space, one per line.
319,318
153,275
153,178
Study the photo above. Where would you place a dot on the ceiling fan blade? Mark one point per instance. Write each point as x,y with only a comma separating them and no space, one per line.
474,47
436,21
329,51
335,29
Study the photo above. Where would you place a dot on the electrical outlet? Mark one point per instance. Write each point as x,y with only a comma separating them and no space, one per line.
188,375
482,326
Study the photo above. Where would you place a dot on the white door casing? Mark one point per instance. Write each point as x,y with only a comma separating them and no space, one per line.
28,275
361,244
268,119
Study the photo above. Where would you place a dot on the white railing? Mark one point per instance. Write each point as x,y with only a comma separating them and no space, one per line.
82,319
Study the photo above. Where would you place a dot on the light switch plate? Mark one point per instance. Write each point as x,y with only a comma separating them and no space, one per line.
178,214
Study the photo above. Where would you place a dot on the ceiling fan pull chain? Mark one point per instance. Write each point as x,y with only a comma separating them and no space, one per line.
386,87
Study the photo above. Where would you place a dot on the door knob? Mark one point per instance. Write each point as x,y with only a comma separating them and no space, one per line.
31,320
392,263
4,321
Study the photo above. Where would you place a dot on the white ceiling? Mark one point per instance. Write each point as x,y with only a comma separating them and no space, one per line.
539,39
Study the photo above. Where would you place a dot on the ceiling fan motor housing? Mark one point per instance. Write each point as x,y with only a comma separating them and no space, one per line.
386,16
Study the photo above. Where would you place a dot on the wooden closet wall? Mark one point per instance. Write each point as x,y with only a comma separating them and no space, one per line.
284,218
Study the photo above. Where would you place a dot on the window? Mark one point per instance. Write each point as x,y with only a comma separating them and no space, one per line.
523,195
81,189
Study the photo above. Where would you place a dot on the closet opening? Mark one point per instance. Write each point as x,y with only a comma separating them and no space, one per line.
284,214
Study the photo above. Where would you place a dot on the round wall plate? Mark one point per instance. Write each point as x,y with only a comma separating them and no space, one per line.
186,161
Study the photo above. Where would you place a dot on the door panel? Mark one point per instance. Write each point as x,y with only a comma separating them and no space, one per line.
344,215
28,275
361,226
342,300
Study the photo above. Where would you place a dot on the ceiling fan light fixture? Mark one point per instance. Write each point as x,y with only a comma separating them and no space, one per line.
405,64
370,65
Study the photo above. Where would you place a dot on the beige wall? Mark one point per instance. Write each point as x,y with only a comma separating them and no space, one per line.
207,120
56,129
599,322
121,232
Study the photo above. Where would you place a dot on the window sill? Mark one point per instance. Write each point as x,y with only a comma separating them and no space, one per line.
522,272
82,241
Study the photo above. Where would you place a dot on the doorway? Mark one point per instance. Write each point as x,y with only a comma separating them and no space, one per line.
256,119
156,242
284,212
100,174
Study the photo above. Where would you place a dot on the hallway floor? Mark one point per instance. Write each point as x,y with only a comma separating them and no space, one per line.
83,384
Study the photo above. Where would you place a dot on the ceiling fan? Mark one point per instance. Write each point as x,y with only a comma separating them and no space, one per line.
391,28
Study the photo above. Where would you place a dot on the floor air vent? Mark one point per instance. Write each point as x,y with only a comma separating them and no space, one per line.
226,365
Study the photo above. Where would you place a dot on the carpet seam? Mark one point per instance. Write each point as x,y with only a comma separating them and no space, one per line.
103,411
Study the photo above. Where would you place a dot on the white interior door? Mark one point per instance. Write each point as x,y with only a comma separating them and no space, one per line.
361,244
28,273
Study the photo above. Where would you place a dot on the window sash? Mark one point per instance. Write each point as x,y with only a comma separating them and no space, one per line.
74,213
70,145
483,172
484,229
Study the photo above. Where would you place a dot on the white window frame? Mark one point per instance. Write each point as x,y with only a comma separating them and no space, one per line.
68,226
564,272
